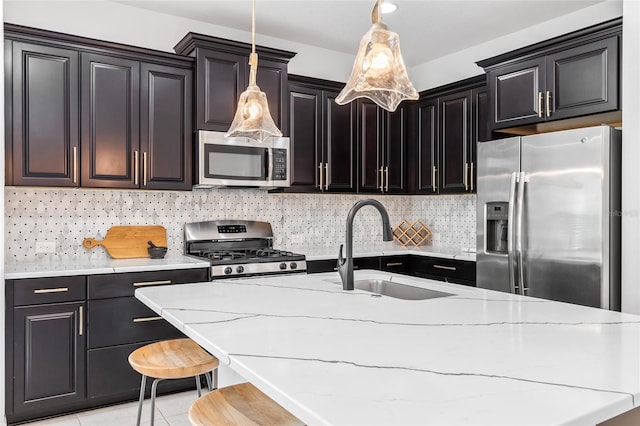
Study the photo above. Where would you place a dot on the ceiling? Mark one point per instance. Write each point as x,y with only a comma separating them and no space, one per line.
428,29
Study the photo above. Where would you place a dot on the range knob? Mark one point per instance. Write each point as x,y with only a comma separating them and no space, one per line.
228,270
240,269
293,265
283,265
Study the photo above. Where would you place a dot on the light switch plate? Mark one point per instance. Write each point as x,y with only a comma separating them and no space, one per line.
45,246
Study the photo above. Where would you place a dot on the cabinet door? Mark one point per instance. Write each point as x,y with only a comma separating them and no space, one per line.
306,137
110,122
394,151
339,143
583,80
479,131
45,116
516,94
454,161
49,356
165,128
370,133
427,147
223,77
272,80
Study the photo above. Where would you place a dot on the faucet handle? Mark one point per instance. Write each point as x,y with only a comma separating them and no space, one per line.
341,260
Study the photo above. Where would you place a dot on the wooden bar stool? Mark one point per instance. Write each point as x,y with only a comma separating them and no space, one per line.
241,404
172,359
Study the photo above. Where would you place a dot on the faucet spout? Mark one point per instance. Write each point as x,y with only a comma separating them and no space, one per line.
345,266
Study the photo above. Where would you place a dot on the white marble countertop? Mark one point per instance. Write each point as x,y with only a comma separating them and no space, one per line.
391,248
57,268
477,357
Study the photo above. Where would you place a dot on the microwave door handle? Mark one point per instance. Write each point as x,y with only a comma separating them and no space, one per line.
269,164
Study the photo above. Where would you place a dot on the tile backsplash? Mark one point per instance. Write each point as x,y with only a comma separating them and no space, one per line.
67,216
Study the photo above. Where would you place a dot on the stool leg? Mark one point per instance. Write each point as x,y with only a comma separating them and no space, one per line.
215,378
209,385
154,386
198,386
142,385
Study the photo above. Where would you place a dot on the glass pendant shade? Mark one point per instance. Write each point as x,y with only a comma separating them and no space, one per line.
252,118
378,71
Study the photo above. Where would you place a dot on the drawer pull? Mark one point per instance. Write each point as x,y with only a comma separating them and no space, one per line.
395,264
449,268
51,290
143,283
81,320
147,319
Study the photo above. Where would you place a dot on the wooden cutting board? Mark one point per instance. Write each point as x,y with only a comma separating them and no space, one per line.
128,241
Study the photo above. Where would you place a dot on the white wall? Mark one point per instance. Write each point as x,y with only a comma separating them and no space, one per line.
120,23
461,65
631,158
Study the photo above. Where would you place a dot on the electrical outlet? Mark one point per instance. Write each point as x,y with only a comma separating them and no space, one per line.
45,247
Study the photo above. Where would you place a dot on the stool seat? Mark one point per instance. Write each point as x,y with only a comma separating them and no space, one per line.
241,404
172,359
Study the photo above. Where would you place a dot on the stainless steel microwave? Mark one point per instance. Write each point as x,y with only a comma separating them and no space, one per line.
224,162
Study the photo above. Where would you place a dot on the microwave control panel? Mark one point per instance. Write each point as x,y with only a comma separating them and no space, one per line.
279,164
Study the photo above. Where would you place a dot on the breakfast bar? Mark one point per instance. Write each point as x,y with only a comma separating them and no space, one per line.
468,357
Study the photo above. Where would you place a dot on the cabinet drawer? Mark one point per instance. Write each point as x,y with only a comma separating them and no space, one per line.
446,268
36,291
121,285
124,320
395,264
109,374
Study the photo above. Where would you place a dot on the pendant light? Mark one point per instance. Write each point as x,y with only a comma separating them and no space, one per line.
379,72
253,119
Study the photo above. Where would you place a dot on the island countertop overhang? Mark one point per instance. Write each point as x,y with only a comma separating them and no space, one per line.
477,357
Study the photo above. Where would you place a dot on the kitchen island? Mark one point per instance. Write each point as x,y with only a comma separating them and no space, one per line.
476,357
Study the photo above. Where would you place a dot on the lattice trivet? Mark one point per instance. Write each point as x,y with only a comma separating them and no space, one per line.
407,233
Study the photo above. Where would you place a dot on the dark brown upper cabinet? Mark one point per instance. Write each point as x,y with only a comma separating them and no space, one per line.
110,97
575,75
381,156
42,112
323,138
448,122
135,125
222,74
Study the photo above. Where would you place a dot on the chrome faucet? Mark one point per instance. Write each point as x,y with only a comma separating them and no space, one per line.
345,266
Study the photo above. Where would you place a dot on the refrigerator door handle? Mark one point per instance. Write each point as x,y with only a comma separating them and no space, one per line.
510,228
519,224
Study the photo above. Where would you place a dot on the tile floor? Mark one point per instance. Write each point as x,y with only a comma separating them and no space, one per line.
171,410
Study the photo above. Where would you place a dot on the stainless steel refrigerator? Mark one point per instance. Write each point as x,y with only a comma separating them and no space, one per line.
548,219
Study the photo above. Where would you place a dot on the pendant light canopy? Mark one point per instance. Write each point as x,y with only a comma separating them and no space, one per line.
379,72
253,119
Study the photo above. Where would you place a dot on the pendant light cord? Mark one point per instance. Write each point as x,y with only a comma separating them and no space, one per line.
253,59
376,13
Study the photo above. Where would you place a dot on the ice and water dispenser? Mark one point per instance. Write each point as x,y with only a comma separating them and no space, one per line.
497,225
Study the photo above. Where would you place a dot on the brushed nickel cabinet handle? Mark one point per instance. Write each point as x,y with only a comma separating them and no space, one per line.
143,283
81,321
433,178
548,104
146,319
386,179
320,173
540,104
395,264
144,169
449,268
326,176
51,290
466,176
75,164
471,176
136,167
381,172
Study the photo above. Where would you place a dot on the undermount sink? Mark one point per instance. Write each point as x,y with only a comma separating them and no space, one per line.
398,291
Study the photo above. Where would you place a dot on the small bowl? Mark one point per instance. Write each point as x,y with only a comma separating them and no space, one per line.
157,252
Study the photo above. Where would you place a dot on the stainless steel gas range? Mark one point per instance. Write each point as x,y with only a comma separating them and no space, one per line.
239,248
